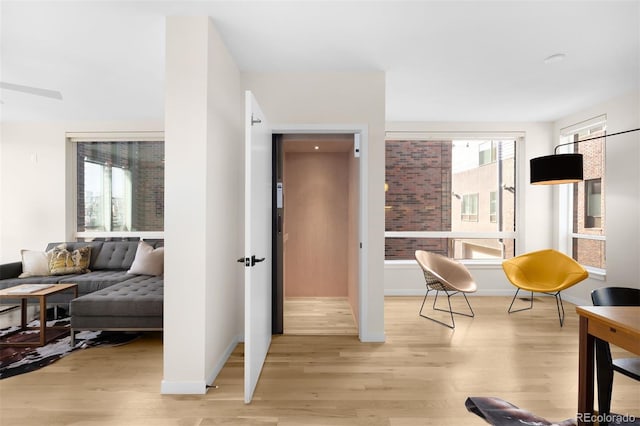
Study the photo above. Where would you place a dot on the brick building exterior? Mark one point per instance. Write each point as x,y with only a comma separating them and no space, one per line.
424,194
418,195
589,218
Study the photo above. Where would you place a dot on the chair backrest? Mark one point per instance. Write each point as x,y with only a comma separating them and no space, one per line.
616,296
447,271
543,266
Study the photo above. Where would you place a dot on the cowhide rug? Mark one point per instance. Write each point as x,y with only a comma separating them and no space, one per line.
16,360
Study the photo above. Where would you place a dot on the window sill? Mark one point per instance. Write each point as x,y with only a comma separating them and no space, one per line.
473,264
596,273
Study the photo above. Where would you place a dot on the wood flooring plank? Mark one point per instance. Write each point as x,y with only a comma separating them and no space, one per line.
421,375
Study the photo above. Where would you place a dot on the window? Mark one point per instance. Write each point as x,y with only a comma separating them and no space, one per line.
107,197
586,236
469,208
437,197
487,153
120,187
493,206
593,203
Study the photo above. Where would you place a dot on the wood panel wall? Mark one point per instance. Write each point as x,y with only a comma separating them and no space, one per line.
316,224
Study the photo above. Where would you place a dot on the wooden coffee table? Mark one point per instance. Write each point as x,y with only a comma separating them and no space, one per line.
26,291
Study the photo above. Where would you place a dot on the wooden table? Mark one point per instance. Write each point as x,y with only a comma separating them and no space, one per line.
41,295
618,325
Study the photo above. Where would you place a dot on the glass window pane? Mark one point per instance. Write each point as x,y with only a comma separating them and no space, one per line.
457,248
120,186
589,252
588,195
449,185
93,188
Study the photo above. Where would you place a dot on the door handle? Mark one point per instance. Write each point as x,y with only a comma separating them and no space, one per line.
255,260
251,261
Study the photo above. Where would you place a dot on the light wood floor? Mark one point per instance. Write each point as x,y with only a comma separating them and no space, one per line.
421,375
318,315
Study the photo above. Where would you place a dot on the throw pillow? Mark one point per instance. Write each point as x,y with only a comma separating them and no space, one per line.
64,262
148,261
35,263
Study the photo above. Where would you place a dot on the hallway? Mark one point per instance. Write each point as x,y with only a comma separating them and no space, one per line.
318,316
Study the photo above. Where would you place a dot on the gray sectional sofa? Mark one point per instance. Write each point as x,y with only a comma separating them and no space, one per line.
108,297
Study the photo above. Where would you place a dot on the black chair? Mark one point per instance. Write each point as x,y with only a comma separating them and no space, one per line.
630,367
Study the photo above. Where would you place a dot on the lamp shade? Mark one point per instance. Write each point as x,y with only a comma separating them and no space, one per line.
556,169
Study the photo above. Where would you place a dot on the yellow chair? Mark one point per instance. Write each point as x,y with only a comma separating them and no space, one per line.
543,271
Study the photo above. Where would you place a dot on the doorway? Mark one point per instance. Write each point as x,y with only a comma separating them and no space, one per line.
316,234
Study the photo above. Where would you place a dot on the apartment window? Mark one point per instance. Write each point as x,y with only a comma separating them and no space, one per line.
593,203
434,197
586,224
493,206
488,152
119,187
107,197
469,208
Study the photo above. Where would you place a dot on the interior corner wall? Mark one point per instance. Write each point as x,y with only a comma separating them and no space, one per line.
203,146
290,98
622,196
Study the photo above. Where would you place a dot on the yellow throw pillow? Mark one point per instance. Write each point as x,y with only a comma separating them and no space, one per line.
64,262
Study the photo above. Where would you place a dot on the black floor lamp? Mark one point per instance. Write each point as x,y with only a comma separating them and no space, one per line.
561,168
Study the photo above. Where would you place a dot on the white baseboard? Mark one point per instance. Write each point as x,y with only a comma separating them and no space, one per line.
223,360
168,387
372,338
421,292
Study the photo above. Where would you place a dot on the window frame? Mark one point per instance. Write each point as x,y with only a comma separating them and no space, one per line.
519,177
566,233
73,138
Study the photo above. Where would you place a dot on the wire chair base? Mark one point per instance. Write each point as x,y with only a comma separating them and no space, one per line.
450,311
559,305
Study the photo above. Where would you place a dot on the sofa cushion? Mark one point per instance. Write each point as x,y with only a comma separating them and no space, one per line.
116,255
52,279
74,245
148,261
35,263
140,296
96,280
63,261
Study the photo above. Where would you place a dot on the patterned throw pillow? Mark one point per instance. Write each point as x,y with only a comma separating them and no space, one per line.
64,262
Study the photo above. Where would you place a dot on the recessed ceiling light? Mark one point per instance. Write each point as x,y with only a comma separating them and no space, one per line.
558,57
316,147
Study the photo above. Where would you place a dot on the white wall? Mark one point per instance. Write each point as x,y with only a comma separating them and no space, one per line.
534,206
203,151
339,98
622,194
37,181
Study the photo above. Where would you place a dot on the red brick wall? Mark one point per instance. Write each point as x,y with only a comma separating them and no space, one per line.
418,197
589,252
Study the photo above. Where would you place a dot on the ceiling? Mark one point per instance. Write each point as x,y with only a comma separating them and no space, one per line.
444,61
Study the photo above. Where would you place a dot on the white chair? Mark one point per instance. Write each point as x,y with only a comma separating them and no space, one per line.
449,276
